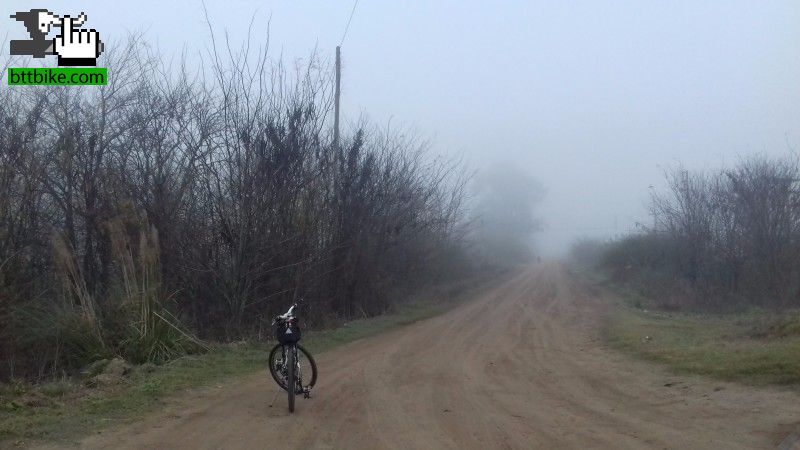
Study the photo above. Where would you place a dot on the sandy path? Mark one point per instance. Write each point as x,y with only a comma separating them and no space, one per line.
520,366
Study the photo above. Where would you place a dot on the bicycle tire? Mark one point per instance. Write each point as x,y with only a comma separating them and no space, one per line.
278,379
290,355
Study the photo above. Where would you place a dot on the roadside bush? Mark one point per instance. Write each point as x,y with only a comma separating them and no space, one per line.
721,240
586,253
57,339
171,204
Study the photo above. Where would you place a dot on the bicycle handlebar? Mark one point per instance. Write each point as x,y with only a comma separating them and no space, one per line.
288,314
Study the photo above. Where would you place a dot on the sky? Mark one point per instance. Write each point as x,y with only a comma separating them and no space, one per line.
595,99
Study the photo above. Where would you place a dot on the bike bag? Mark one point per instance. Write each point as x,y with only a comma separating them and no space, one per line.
288,332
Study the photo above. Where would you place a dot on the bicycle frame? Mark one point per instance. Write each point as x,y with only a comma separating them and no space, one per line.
298,375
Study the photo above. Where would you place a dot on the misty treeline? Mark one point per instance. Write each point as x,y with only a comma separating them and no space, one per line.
179,205
503,212
718,240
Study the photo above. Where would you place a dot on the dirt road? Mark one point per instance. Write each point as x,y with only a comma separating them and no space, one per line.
520,366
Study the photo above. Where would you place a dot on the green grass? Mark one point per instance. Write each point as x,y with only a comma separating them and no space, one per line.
755,347
63,410
67,409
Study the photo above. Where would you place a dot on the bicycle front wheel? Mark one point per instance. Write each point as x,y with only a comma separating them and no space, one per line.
291,353
306,373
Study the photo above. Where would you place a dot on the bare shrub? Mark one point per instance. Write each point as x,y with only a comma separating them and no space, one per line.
205,201
723,239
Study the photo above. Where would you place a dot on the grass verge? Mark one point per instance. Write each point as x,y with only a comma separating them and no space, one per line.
64,410
755,347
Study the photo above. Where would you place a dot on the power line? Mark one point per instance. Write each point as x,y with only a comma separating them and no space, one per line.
348,22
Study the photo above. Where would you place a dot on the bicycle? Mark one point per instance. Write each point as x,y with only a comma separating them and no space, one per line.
288,359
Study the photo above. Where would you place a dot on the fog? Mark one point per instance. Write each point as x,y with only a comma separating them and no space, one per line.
592,99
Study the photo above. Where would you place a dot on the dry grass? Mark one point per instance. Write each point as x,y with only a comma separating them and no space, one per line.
154,334
76,295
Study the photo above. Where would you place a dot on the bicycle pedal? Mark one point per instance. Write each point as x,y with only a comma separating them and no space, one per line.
307,393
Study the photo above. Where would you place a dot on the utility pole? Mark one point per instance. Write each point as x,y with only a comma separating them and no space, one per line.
336,97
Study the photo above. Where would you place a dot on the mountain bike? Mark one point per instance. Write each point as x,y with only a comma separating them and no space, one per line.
291,365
